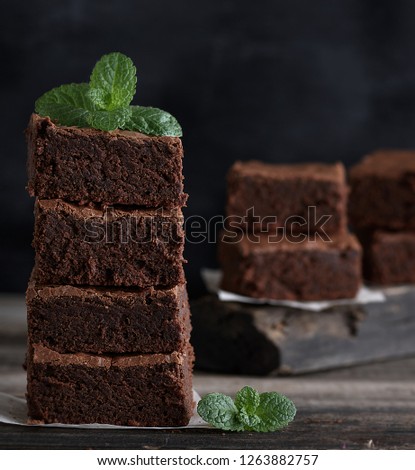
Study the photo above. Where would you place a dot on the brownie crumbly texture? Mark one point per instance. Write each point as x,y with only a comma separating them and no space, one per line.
108,320
383,191
88,165
129,390
80,245
388,257
292,270
281,196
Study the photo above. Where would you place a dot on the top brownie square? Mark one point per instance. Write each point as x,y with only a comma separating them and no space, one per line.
88,165
301,197
383,191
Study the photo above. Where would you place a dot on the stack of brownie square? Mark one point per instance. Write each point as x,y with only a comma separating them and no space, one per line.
108,314
382,211
286,234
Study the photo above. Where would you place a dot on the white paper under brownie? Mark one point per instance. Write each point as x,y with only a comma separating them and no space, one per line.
13,410
365,295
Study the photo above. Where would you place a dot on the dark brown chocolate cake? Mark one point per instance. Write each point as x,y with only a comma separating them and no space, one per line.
108,320
80,245
292,269
389,257
118,167
383,191
130,390
282,195
108,313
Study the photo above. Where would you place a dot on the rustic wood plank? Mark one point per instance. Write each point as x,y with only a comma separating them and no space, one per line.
240,338
327,429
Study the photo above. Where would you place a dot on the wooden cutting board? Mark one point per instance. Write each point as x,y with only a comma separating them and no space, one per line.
268,340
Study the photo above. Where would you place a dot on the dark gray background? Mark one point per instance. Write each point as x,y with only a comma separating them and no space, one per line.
281,81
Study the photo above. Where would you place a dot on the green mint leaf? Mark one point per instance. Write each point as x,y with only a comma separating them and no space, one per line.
69,105
109,120
153,121
104,102
220,411
251,411
250,421
247,399
113,82
274,411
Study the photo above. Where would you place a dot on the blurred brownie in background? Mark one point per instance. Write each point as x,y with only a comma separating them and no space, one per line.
382,211
389,257
304,198
291,269
383,191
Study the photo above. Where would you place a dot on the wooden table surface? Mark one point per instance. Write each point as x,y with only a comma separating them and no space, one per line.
366,407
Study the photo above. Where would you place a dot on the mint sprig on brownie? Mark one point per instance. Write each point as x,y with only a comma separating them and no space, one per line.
105,102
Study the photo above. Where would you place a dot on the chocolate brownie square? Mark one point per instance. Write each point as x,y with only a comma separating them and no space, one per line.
81,245
263,266
388,257
383,191
88,165
301,197
108,320
128,390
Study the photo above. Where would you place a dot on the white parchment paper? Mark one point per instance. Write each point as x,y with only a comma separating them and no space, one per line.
212,278
13,410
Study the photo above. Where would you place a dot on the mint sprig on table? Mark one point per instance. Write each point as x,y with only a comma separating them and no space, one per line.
105,102
251,411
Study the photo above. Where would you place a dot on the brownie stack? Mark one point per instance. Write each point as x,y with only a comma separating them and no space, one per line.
382,211
286,235
108,314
